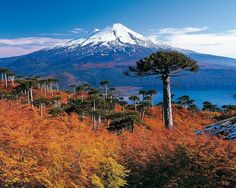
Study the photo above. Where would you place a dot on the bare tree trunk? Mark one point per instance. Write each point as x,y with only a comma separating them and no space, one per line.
82,97
31,95
17,101
12,80
55,103
41,109
45,90
6,80
94,122
51,89
135,106
41,89
167,102
106,91
99,122
162,109
28,96
142,115
94,117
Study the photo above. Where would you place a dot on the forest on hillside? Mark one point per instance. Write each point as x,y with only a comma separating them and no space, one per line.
92,137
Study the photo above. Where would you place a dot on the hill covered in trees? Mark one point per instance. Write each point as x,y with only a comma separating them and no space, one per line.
85,137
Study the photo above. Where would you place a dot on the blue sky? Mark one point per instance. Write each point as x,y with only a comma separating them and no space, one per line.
46,22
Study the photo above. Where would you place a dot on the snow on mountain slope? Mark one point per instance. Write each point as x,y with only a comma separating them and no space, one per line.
118,34
107,53
71,44
115,36
112,43
225,129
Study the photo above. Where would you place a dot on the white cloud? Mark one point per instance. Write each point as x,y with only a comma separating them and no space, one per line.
222,43
21,46
78,30
55,34
174,31
96,30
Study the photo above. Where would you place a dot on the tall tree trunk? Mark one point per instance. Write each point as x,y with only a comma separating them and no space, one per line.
94,117
142,115
99,122
94,122
28,96
31,95
6,80
41,109
12,80
151,100
135,107
45,90
51,89
167,102
106,91
56,104
162,110
82,97
41,89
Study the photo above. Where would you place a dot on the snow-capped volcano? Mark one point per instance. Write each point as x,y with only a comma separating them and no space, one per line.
115,36
116,41
118,34
107,53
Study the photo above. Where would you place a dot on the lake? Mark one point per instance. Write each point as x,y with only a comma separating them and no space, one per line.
218,97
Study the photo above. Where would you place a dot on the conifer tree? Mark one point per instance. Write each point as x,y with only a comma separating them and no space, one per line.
164,64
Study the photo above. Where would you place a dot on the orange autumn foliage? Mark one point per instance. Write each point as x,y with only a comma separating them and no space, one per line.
49,151
65,152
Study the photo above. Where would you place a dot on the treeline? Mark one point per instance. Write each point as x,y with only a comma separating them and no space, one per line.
98,104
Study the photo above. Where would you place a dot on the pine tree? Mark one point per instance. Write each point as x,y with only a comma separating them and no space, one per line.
165,64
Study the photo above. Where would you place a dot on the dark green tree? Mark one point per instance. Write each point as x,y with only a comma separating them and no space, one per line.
165,64
134,99
151,92
208,106
185,101
123,121
143,93
105,84
73,88
122,102
228,108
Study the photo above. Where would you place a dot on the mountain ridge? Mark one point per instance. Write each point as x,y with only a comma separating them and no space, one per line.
109,52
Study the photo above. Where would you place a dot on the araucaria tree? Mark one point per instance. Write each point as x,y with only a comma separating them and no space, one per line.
105,84
165,64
